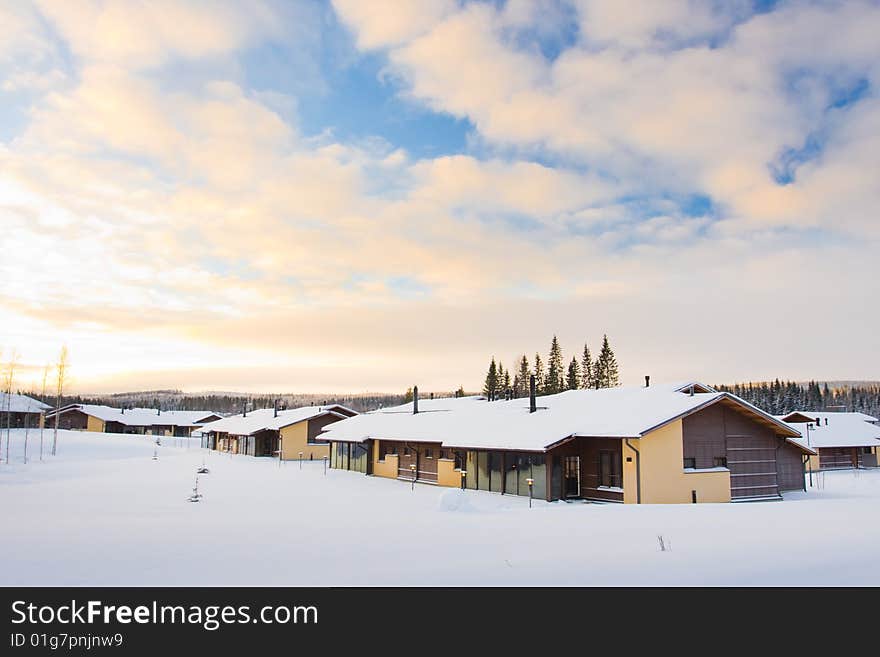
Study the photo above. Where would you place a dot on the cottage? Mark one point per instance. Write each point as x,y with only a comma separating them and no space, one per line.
150,421
20,411
294,433
842,440
654,444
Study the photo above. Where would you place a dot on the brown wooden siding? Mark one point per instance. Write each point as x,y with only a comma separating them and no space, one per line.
839,458
790,467
594,483
417,454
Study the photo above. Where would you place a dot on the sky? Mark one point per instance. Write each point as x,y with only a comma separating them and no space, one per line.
347,196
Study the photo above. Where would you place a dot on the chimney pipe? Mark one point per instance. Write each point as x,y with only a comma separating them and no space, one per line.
415,399
275,409
826,421
244,409
647,381
432,395
158,411
533,403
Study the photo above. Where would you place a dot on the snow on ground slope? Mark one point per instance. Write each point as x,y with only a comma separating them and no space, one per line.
103,512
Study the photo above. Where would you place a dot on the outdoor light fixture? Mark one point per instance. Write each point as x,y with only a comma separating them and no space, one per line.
413,469
531,483
463,477
300,460
325,465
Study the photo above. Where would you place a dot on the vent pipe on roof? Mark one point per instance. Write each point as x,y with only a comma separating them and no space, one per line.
818,422
533,402
826,421
415,399
432,395
158,411
244,409
647,381
692,390
275,408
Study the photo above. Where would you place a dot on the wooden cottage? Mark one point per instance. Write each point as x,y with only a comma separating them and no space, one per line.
21,411
842,440
294,433
658,444
149,421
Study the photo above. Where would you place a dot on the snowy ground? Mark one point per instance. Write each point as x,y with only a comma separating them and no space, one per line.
102,512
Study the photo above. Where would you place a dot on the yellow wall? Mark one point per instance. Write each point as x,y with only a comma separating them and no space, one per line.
664,480
386,468
94,424
447,475
294,439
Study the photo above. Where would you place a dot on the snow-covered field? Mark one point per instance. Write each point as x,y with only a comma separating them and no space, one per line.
103,512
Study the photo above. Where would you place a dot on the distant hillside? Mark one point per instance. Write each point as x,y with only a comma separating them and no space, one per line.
233,402
780,397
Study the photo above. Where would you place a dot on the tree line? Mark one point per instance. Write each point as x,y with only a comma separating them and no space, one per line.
583,373
781,397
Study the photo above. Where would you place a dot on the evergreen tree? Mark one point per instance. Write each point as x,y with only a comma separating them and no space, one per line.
606,373
408,396
539,375
491,385
587,380
523,377
505,383
459,392
555,374
573,380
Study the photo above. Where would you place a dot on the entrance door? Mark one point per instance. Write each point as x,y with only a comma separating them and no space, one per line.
572,476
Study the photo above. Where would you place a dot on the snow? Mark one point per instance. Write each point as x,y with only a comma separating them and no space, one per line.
625,412
21,404
841,430
102,512
265,418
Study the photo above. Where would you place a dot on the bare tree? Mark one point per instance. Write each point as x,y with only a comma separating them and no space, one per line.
8,381
43,412
60,380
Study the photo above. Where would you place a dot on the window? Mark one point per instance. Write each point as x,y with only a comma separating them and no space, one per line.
690,463
460,460
866,450
429,453
720,461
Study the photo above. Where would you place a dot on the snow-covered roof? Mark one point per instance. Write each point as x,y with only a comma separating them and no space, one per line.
626,412
139,417
264,419
834,429
15,403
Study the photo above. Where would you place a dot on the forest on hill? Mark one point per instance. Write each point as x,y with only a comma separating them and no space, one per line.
780,397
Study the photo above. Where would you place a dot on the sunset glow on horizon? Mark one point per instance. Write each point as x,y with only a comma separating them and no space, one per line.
359,196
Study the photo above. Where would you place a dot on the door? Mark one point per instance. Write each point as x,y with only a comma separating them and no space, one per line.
571,476
752,464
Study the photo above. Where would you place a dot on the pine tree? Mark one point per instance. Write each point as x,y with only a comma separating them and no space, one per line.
539,375
408,396
491,385
523,377
573,380
459,392
606,372
505,383
555,373
587,380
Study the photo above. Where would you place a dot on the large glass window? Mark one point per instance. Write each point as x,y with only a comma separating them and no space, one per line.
483,470
496,474
539,474
472,474
512,472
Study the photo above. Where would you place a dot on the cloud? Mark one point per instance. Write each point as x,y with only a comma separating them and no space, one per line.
620,179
